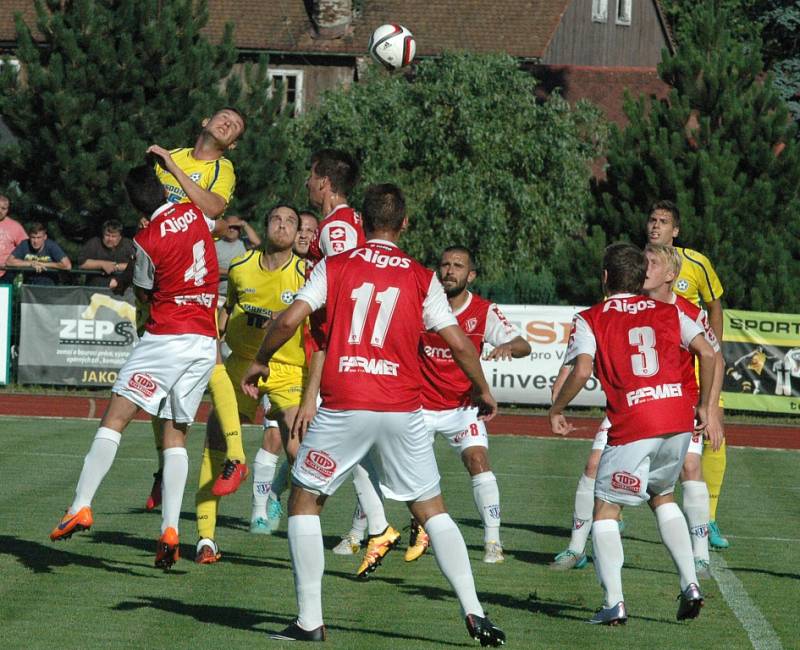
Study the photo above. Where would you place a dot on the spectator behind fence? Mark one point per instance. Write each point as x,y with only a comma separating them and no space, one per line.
38,256
109,253
12,234
230,245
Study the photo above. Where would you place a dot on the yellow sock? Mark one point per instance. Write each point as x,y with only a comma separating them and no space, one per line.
713,472
158,439
224,400
206,504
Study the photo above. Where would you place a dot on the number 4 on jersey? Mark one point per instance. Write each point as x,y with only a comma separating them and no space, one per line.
197,271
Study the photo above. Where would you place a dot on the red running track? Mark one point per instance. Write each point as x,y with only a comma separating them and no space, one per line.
66,406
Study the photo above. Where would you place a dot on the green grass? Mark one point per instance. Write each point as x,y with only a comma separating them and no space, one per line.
100,589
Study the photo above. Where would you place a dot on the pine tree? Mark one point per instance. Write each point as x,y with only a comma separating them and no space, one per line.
110,78
722,146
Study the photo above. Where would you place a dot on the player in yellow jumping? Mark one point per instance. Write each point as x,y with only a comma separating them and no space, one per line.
203,175
261,284
698,283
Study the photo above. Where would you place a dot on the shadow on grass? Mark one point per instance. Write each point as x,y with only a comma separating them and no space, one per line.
44,558
557,609
250,619
523,555
776,574
187,551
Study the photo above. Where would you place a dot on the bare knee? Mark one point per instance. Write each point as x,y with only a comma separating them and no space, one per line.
272,441
476,460
424,510
657,500
692,468
303,502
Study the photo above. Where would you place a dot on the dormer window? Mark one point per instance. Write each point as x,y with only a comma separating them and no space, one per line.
599,11
624,9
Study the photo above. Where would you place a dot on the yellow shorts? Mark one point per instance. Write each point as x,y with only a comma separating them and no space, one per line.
284,385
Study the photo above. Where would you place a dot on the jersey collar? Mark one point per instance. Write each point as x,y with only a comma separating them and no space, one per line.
162,209
457,312
338,207
384,242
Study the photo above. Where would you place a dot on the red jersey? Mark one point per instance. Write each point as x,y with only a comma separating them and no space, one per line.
176,261
445,384
341,230
638,348
699,316
378,300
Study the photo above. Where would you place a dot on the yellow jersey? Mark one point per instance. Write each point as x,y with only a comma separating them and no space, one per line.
697,279
213,175
254,294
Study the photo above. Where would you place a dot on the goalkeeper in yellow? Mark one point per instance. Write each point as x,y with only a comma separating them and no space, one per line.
261,284
698,283
203,175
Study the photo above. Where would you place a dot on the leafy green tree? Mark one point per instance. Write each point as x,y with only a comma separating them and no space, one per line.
482,164
723,148
109,78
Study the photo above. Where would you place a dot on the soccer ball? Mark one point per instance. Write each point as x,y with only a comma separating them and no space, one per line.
393,46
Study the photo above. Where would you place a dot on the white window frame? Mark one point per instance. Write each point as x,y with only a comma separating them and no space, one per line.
624,12
274,73
599,11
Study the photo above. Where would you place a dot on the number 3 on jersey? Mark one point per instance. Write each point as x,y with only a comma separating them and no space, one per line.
645,362
362,296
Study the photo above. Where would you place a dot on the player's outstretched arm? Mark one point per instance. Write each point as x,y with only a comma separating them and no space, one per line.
466,356
572,385
708,367
211,203
516,348
308,405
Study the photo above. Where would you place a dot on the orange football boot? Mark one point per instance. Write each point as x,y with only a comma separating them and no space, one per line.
167,552
73,523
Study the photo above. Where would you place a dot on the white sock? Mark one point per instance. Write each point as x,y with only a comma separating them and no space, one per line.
264,466
359,525
608,559
487,501
582,516
370,500
308,561
675,535
173,483
451,555
95,466
695,505
280,481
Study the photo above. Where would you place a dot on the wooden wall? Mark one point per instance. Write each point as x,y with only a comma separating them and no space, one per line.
579,41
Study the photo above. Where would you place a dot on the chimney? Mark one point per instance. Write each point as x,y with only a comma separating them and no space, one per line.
332,18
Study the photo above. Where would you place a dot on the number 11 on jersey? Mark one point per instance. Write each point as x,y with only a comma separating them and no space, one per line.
362,296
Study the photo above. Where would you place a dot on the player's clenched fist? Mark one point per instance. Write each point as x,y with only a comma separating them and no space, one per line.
487,406
256,372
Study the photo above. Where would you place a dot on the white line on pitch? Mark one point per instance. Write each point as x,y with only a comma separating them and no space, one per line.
765,539
762,634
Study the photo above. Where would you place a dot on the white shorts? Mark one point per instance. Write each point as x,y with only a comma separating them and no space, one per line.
696,444
601,437
398,445
166,374
268,424
460,427
628,473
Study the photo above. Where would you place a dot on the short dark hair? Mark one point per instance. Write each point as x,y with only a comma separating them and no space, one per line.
35,227
339,167
233,109
668,206
384,208
626,268
310,213
281,205
145,191
464,251
112,225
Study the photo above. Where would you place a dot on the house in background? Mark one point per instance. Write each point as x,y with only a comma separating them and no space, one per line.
590,49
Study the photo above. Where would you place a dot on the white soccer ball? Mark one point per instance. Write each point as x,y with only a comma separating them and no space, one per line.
393,46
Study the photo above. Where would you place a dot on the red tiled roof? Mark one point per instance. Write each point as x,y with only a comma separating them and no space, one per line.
521,28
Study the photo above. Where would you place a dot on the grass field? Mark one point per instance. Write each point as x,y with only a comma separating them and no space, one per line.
100,589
